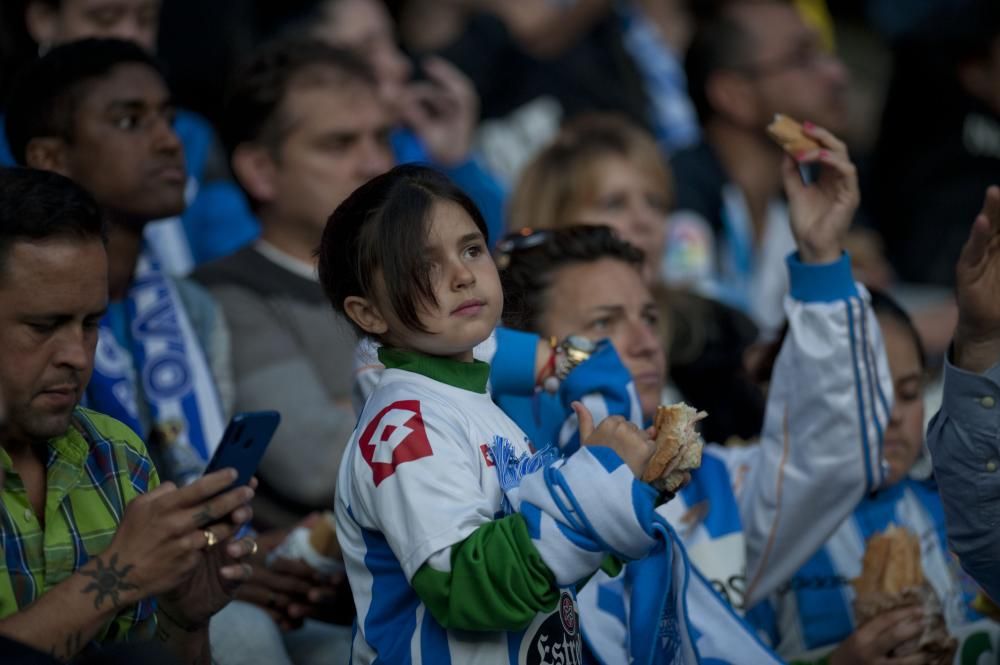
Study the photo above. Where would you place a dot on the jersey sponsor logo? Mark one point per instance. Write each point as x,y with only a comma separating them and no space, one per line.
393,437
568,614
551,642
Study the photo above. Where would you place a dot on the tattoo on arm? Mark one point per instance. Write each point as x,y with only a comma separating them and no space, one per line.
108,580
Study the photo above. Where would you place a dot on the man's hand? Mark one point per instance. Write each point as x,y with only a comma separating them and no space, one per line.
291,591
161,543
977,279
873,642
442,111
821,212
632,444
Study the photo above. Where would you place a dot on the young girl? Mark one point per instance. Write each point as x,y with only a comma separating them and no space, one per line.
456,551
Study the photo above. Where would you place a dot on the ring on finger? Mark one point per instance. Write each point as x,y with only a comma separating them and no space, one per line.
253,547
210,538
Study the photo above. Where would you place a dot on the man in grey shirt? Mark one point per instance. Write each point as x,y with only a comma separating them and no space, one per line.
964,437
304,128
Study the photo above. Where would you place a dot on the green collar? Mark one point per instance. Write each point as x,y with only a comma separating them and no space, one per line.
467,376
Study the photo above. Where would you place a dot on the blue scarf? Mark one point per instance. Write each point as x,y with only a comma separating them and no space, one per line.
163,353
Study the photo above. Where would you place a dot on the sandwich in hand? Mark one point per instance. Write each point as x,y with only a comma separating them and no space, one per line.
789,135
678,447
892,576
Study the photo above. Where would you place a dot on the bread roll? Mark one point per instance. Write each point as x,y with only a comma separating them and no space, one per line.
678,446
788,134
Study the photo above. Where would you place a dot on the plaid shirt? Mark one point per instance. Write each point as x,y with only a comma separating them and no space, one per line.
93,471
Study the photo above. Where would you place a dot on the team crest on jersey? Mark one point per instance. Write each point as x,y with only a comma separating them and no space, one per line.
511,467
393,437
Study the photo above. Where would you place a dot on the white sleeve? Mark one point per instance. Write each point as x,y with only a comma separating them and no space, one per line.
416,479
821,448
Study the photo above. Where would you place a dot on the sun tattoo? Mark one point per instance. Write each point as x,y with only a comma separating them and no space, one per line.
108,581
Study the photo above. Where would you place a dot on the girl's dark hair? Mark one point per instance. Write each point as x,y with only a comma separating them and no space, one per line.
883,305
528,262
382,229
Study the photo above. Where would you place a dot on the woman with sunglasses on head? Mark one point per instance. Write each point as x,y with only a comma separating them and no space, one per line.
601,169
821,443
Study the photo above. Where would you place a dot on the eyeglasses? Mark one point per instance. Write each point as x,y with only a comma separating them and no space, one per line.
518,241
806,56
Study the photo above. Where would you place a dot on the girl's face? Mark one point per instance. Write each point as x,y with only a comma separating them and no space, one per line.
465,283
608,299
633,205
904,438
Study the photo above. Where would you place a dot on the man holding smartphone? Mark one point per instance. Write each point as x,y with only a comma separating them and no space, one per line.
96,550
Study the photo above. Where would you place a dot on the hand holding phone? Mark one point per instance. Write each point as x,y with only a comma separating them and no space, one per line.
243,444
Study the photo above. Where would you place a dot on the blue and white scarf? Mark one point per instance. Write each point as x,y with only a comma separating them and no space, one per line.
673,614
166,359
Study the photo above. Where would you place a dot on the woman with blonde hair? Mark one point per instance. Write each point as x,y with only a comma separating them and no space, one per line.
601,169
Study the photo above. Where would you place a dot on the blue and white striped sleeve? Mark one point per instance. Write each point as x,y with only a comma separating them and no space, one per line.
828,405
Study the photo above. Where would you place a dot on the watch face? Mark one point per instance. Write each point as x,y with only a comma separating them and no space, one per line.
580,343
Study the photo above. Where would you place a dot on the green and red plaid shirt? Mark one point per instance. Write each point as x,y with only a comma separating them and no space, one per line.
93,472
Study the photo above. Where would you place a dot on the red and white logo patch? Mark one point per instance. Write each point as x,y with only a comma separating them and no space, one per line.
396,435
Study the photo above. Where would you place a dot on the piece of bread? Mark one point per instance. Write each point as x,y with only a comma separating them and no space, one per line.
788,134
678,446
892,577
323,537
891,564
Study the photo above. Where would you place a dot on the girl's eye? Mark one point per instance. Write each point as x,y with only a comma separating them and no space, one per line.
600,324
474,251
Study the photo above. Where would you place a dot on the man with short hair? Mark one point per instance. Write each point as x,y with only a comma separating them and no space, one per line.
89,535
98,111
305,128
729,233
217,220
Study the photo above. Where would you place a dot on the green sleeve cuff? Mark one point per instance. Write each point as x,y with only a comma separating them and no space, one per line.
498,581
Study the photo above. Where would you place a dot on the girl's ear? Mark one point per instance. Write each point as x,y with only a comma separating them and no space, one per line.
366,315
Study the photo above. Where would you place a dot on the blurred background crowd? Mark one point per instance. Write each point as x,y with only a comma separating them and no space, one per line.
646,116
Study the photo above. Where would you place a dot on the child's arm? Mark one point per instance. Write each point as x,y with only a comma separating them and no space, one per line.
493,580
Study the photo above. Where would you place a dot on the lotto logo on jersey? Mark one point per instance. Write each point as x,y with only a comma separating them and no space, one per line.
396,435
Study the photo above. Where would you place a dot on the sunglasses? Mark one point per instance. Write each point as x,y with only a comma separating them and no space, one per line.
518,241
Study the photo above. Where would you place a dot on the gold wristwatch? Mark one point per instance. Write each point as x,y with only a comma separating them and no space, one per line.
569,353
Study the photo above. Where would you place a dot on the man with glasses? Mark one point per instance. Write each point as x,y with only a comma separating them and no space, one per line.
730,233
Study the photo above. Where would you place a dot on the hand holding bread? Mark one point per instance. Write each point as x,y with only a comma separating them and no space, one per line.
892,578
663,456
821,211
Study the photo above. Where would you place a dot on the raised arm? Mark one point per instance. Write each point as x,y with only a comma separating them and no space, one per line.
830,393
963,436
